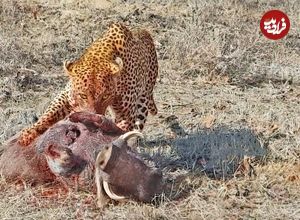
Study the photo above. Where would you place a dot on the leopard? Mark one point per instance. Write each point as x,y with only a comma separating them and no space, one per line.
116,73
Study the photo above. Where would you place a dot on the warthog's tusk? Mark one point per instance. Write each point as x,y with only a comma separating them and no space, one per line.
110,193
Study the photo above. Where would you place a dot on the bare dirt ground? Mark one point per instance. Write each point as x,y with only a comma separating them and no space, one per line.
224,93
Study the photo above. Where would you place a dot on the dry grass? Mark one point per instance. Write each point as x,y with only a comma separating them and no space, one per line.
232,91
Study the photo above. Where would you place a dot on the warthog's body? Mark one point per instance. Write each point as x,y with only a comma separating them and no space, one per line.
70,148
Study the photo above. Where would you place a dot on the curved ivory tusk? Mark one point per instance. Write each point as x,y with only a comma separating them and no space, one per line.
110,193
131,134
124,138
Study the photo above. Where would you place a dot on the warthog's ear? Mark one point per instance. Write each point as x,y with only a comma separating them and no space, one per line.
103,157
116,66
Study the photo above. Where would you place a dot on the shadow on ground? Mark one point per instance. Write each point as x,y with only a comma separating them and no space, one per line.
215,153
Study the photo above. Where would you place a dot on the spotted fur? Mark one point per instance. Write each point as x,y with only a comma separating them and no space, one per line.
118,71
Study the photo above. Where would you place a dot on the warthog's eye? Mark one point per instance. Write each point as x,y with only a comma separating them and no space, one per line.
101,162
83,96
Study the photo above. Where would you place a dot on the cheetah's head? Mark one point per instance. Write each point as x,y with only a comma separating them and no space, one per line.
93,86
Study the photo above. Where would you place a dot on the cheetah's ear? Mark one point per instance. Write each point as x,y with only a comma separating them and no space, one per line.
67,67
116,66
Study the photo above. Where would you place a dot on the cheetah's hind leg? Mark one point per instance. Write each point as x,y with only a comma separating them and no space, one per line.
152,106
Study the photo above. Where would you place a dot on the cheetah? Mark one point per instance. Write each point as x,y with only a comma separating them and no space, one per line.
117,72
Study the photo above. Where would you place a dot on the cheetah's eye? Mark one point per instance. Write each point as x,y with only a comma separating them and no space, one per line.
104,97
83,96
